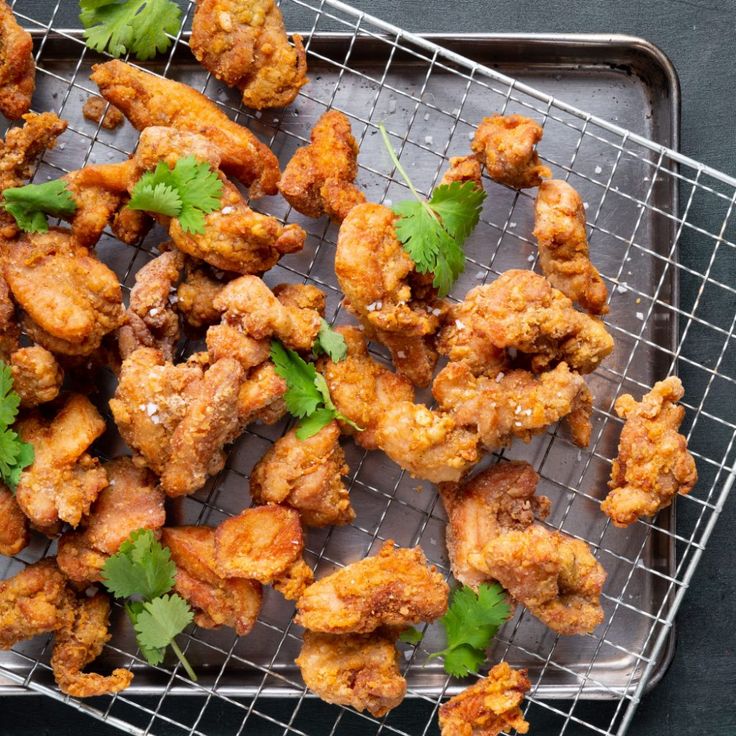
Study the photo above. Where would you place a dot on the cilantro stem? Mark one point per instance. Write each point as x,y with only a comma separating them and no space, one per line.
184,661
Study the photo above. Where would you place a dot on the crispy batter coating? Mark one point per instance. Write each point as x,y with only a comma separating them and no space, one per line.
178,417
307,476
218,601
64,480
14,535
396,587
294,580
9,328
320,177
97,110
559,227
653,462
361,388
228,341
506,145
489,706
301,296
32,602
196,294
17,67
244,44
429,444
492,502
66,292
146,99
79,642
463,169
260,543
514,404
261,396
357,670
37,377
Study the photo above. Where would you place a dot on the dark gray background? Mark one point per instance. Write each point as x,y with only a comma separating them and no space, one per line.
697,693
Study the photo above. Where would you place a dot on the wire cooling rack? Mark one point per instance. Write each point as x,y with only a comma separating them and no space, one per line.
630,185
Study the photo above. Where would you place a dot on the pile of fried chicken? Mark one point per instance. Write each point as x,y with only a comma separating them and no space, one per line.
514,352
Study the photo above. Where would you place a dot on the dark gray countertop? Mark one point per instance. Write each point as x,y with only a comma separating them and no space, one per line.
696,694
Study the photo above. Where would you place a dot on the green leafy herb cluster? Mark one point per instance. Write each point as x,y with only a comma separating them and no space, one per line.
15,455
330,343
30,204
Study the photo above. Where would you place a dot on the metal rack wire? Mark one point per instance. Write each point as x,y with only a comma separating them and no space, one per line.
636,230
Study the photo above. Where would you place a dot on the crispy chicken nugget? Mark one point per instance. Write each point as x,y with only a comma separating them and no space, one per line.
17,67
261,396
14,534
196,294
463,169
37,376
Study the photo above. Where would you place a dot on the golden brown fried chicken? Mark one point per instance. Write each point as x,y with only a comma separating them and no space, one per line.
559,227
489,706
396,587
17,67
307,476
146,99
97,110
261,396
357,670
178,417
64,480
301,296
463,169
80,641
9,329
72,298
196,294
320,177
218,601
131,501
14,535
506,145
244,44
653,462
515,404
37,377
480,509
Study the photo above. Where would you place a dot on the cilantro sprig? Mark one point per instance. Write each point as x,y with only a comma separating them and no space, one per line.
433,232
187,192
307,395
15,455
142,572
330,343
31,203
136,26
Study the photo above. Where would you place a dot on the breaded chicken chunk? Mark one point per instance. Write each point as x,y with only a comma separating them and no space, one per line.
506,144
396,587
244,44
63,481
357,670
80,641
98,110
492,502
463,169
320,177
515,404
146,99
217,600
37,376
9,328
195,296
489,706
14,535
653,463
261,396
559,227
17,67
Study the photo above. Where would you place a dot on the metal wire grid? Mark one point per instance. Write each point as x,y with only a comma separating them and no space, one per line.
617,218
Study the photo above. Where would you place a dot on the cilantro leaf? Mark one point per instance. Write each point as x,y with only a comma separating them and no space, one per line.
159,198
330,343
15,455
463,660
152,655
136,26
30,204
411,636
458,204
9,400
309,426
161,619
26,456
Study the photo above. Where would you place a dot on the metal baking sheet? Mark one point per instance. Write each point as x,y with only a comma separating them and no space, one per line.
620,79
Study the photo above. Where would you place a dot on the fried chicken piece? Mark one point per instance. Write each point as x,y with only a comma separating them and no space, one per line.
491,705
294,580
32,602
217,600
64,480
522,310
320,177
244,44
506,145
429,444
9,329
301,296
146,99
357,670
492,502
79,642
131,501
130,226
261,396
516,404
396,587
653,462
178,417
14,535
37,376
196,294
68,294
307,476
559,227
97,110
227,341
17,67
361,388
463,169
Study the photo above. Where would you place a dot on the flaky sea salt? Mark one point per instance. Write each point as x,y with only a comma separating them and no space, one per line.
428,140
622,288
392,105
400,354
436,312
153,312
479,275
227,210
373,306
460,325
151,408
499,376
598,169
640,316
530,258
